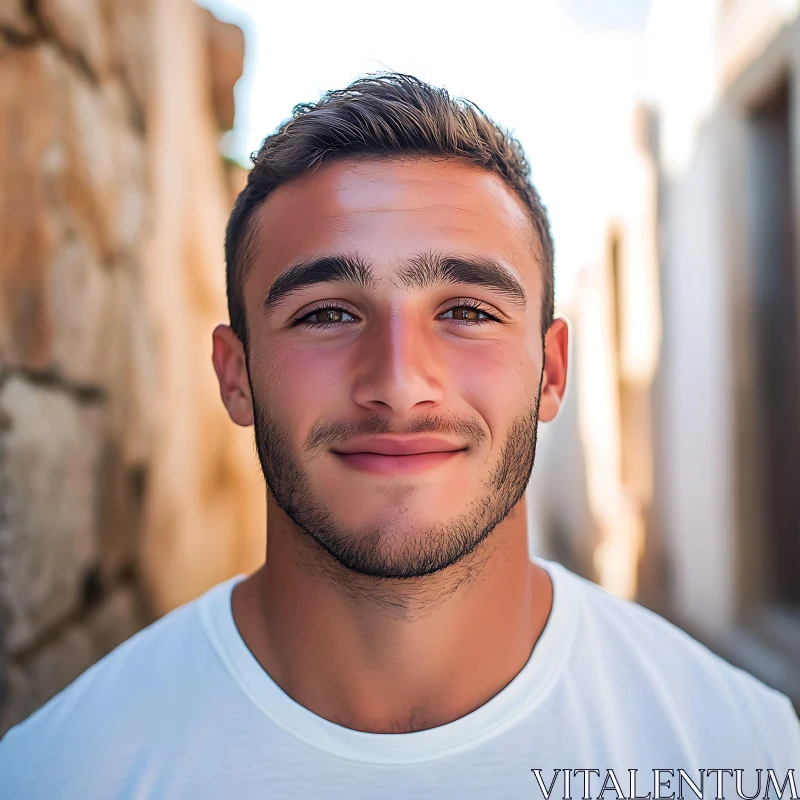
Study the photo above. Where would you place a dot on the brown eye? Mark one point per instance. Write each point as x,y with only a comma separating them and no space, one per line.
463,312
326,316
468,314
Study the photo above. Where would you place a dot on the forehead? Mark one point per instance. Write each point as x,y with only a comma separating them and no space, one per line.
388,210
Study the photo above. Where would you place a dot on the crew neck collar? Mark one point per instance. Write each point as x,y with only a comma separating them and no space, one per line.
526,690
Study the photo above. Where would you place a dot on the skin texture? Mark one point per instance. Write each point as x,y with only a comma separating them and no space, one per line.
396,600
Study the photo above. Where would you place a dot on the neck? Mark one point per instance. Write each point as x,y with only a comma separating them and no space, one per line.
390,656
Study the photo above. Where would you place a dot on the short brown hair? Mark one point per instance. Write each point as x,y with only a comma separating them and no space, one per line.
381,116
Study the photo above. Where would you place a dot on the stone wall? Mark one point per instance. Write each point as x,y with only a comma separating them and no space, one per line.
124,488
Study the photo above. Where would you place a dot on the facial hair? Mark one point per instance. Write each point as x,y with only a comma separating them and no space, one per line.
371,550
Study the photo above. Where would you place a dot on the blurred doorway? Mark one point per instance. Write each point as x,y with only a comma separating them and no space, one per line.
775,287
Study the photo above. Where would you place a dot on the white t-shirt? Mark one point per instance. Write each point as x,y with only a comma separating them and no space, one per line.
183,711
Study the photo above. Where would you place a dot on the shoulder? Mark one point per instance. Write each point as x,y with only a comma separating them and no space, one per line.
142,663
648,650
136,693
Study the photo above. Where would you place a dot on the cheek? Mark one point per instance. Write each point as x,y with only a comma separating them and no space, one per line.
497,378
303,380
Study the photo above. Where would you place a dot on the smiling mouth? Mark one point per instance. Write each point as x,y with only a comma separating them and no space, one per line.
406,464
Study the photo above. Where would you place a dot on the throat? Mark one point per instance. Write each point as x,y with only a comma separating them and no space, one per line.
366,667
414,721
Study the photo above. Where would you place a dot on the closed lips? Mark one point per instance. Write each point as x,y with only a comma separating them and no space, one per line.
400,447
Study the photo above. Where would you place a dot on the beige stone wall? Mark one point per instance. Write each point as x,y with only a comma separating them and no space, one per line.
124,488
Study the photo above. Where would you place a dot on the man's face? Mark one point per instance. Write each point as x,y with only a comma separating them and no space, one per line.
395,356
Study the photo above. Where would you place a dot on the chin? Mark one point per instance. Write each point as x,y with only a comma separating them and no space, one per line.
371,498
390,524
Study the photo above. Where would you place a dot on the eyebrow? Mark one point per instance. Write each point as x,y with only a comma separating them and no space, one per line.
328,269
423,271
433,269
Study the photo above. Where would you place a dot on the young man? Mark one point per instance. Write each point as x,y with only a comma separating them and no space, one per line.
392,340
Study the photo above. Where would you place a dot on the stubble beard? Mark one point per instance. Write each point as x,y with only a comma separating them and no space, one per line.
371,550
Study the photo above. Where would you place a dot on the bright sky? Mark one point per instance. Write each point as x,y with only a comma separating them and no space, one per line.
560,76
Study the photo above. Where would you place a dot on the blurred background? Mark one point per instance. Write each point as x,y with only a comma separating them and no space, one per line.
663,136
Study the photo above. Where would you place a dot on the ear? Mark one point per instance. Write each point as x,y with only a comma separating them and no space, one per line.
554,377
231,368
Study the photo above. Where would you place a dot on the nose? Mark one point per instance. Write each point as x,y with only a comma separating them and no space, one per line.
398,367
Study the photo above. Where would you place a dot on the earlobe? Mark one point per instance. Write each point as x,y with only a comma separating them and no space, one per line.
230,365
